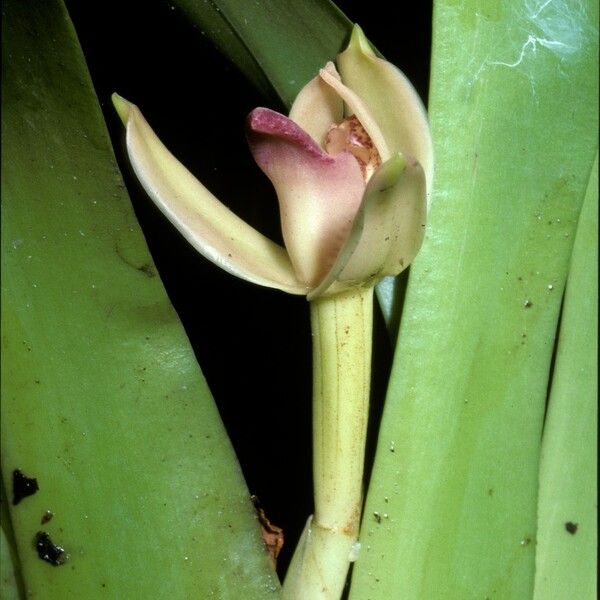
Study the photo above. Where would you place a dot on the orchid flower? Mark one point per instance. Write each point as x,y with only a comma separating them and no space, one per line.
352,168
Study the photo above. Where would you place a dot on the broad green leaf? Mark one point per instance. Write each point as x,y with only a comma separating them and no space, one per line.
451,507
278,45
102,400
567,541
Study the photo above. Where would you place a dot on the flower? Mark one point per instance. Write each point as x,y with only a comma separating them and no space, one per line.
352,168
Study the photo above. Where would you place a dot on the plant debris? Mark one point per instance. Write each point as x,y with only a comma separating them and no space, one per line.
271,534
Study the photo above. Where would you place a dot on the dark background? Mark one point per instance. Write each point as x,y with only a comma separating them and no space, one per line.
253,343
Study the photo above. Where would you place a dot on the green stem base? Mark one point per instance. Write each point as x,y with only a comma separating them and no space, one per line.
342,336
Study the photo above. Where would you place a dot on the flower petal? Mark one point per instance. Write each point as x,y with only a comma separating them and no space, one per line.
387,232
210,227
318,194
359,109
317,107
390,99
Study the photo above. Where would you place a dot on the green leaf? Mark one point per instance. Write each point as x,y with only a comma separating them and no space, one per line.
513,111
102,400
267,40
566,555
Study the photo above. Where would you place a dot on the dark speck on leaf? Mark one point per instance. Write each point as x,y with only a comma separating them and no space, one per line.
48,551
377,517
147,269
47,517
23,486
571,527
528,304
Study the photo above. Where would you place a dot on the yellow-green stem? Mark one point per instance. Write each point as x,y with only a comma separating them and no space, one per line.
342,338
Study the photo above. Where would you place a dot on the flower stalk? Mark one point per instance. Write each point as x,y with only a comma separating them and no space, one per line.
342,337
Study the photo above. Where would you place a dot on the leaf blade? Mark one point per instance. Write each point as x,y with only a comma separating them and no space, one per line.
566,553
267,39
103,401
456,465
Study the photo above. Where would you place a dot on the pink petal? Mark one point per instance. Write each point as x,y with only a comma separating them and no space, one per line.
318,194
